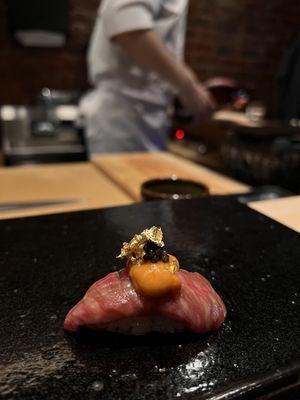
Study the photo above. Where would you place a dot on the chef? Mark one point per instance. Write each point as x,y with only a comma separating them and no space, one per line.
135,65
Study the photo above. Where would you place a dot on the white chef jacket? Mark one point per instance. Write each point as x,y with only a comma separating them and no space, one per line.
127,110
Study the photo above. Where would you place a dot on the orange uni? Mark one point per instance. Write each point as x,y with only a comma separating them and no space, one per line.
155,280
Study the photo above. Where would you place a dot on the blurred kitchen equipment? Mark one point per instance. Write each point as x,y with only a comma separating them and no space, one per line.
266,158
15,119
46,124
172,189
44,133
244,145
256,111
200,141
58,97
52,108
232,96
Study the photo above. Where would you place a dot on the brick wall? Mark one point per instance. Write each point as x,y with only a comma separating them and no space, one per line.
23,72
244,39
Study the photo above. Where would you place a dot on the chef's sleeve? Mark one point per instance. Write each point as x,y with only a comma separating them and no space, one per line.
120,16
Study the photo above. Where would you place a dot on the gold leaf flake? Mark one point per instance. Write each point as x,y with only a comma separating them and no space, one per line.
134,250
173,264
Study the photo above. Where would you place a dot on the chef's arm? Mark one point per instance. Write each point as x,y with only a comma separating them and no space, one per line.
148,51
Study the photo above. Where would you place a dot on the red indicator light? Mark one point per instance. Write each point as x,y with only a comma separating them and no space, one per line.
180,134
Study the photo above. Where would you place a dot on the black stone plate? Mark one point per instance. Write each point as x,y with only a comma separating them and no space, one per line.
47,263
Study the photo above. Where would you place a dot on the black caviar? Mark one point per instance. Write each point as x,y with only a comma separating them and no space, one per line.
155,253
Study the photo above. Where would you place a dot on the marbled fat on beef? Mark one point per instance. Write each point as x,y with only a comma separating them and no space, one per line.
112,300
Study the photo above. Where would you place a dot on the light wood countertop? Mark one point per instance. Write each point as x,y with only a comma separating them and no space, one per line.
115,180
78,181
285,210
130,170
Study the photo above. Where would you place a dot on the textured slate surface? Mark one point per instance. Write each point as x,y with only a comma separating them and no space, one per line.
47,263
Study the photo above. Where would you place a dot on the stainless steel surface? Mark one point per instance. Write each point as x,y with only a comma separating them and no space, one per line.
46,132
36,204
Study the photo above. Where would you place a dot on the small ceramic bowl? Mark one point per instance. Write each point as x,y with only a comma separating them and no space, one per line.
172,189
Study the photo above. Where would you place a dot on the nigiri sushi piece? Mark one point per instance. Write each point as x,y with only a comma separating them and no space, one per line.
150,294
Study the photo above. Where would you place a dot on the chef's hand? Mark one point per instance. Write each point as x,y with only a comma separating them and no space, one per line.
197,100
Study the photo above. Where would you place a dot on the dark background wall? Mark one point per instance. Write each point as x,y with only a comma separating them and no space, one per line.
244,39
